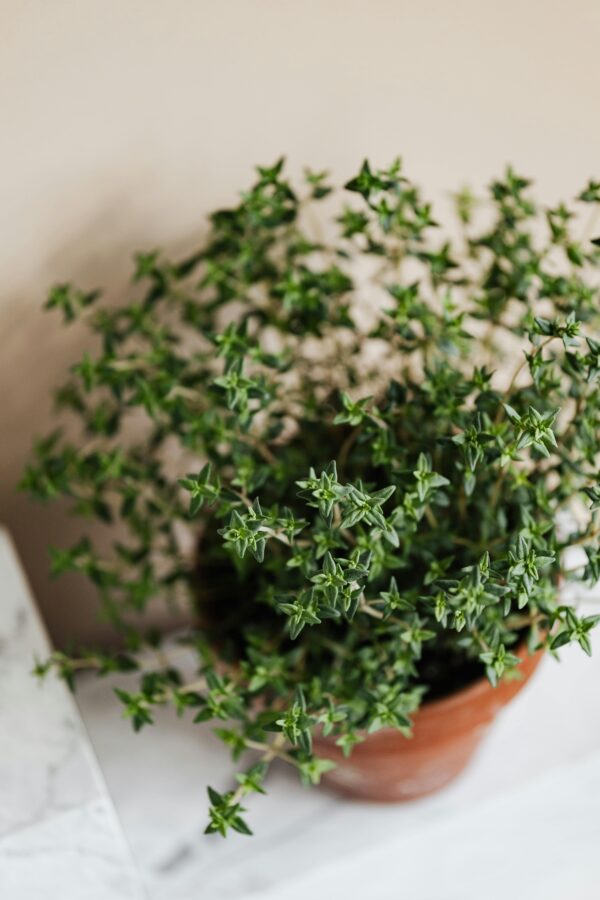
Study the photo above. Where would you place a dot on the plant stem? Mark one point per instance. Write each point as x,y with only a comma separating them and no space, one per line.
516,374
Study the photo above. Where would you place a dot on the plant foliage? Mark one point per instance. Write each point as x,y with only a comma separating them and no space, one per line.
358,454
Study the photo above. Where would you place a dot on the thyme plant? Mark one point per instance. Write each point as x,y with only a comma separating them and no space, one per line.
357,449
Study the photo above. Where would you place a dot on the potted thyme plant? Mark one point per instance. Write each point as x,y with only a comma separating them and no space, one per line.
357,454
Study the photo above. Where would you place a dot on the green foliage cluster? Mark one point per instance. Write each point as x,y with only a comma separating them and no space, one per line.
357,449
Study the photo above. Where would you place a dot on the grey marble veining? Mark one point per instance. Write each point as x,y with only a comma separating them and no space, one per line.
58,831
74,856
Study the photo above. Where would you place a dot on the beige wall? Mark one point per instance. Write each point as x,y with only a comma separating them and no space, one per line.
123,121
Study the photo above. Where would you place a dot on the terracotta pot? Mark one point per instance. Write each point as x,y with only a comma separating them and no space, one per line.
388,767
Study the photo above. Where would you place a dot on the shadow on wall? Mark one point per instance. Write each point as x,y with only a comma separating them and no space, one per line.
36,353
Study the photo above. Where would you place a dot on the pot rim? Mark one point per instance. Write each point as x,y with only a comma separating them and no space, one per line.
482,686
465,697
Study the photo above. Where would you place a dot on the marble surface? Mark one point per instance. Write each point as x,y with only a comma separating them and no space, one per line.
59,835
523,821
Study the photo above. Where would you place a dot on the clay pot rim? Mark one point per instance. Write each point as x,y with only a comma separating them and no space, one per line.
465,697
471,692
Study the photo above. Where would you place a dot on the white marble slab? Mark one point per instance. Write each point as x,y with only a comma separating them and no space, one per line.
538,840
75,856
59,836
527,809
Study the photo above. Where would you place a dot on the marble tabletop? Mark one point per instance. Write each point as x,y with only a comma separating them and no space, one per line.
523,821
59,834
